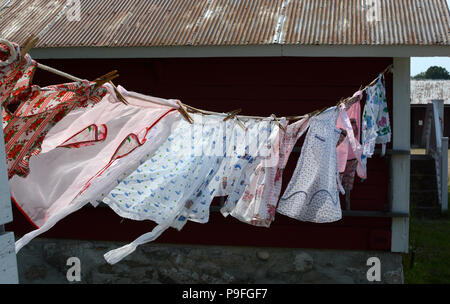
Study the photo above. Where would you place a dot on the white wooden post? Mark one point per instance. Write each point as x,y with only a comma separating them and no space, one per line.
8,261
436,143
442,154
439,104
444,174
400,164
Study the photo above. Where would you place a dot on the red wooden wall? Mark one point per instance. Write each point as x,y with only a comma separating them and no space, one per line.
260,86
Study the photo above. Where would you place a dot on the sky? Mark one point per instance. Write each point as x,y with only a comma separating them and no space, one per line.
421,64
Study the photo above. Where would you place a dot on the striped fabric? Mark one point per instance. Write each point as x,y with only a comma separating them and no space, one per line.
37,110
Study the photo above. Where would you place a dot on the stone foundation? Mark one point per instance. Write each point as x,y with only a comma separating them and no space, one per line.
45,261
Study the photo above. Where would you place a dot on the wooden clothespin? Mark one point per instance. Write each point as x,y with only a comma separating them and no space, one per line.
232,114
183,112
278,122
341,101
390,69
28,45
105,78
240,123
118,94
386,70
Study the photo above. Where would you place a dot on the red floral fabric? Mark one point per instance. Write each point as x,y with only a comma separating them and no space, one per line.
37,110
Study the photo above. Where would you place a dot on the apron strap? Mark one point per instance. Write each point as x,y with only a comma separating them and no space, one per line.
354,144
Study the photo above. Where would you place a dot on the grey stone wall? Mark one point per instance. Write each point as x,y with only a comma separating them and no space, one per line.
44,261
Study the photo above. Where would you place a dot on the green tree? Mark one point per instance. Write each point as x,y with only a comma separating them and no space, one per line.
434,72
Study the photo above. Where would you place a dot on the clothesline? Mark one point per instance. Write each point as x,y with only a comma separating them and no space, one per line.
74,78
57,72
347,101
173,178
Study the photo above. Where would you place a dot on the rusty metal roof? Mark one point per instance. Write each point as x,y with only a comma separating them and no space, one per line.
123,23
423,91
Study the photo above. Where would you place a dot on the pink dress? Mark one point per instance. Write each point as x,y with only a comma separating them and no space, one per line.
349,150
80,158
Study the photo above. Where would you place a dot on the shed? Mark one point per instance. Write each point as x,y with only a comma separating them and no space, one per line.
265,56
422,93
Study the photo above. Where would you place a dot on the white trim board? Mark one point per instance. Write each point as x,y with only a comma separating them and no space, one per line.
8,261
274,50
5,201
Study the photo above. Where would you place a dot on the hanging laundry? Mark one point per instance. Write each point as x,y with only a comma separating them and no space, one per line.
12,67
375,122
24,134
258,208
312,193
37,111
201,201
349,150
63,178
236,157
251,207
243,159
245,148
176,186
172,183
13,70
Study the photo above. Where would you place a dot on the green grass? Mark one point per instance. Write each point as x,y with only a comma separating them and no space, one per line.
429,258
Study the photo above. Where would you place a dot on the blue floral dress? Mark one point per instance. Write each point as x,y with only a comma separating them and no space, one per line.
375,123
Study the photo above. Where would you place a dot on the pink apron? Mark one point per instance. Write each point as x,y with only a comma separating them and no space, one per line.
82,150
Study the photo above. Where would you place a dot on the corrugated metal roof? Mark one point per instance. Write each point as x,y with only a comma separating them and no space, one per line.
423,91
227,22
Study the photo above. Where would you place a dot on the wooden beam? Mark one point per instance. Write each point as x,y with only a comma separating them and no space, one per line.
269,50
400,163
